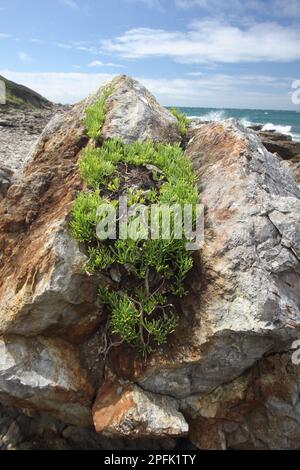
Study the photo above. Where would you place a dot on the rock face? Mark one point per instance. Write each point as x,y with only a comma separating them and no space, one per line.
45,374
44,291
27,431
259,410
285,147
126,410
250,264
6,178
281,144
226,375
244,292
134,114
19,132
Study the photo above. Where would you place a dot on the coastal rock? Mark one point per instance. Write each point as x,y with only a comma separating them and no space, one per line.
6,179
29,430
134,114
285,147
259,410
237,322
126,410
281,144
44,290
19,132
45,374
244,292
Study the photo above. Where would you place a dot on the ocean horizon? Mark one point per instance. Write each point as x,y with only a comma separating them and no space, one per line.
285,122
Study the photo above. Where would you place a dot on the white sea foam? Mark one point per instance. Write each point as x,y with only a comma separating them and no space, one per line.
211,116
245,121
287,130
220,115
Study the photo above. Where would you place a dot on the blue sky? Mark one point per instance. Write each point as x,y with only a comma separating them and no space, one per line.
210,53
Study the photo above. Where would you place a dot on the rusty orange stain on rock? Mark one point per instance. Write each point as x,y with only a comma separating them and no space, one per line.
112,403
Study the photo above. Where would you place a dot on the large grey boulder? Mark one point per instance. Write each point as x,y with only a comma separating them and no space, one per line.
45,293
244,293
45,375
239,318
122,409
134,114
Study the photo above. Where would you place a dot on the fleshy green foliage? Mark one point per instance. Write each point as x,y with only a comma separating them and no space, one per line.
182,120
84,216
100,258
95,169
184,265
141,313
134,318
114,185
95,115
125,317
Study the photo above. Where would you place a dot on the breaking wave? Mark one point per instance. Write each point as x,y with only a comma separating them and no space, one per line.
220,115
211,116
287,130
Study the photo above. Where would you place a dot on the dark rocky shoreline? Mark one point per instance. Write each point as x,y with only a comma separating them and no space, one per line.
284,146
20,129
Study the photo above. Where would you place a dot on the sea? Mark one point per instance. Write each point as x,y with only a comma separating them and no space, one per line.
285,122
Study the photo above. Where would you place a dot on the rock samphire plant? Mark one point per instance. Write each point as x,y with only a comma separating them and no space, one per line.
147,274
183,121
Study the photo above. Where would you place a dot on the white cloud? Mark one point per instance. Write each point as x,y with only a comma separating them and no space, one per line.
60,87
148,3
82,46
205,91
98,63
195,74
5,36
71,3
275,8
62,45
37,41
209,41
24,57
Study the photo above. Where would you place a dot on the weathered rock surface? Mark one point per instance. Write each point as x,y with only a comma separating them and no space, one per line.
126,410
19,132
249,265
227,369
34,431
259,410
244,293
44,291
134,114
285,147
6,180
281,144
45,374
